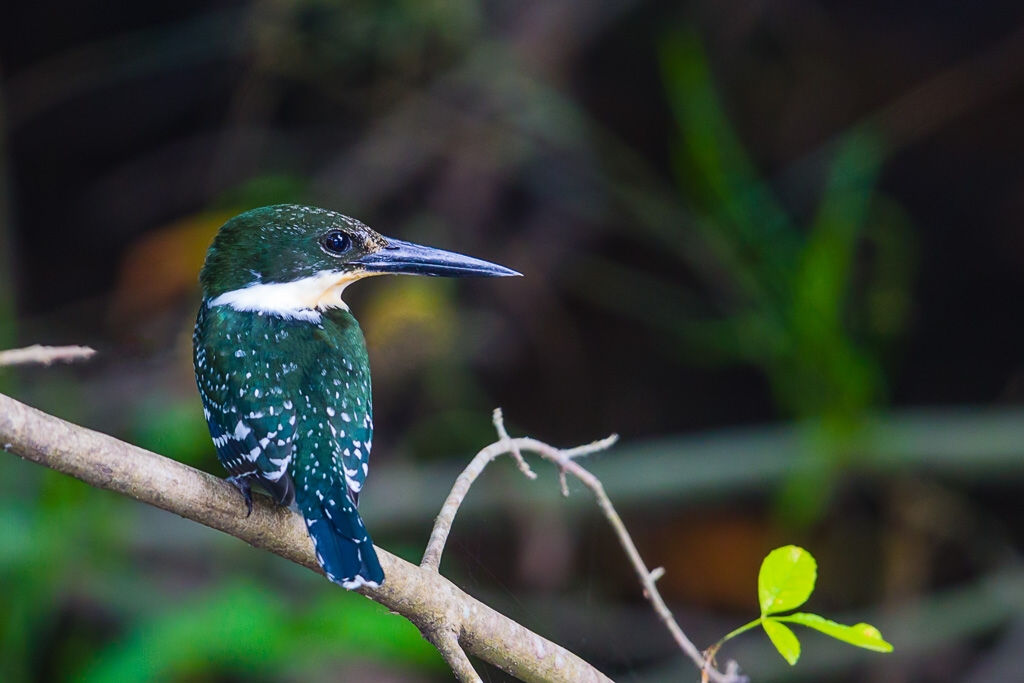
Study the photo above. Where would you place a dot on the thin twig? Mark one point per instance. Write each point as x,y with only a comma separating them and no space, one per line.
499,424
447,644
45,355
565,460
445,518
428,600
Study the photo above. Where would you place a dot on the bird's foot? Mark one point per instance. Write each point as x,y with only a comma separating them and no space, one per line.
243,485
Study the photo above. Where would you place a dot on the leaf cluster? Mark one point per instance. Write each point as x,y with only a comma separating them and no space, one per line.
785,582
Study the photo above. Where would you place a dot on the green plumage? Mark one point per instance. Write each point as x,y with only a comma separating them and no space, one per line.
302,396
282,367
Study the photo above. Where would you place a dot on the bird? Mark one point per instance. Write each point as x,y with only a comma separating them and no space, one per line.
282,367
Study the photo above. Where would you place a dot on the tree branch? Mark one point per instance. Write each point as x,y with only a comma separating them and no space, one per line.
448,645
435,605
564,459
45,355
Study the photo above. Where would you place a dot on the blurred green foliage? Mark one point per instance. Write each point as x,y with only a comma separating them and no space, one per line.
251,630
177,427
797,300
815,299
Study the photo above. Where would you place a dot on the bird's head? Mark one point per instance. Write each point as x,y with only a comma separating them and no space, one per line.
296,260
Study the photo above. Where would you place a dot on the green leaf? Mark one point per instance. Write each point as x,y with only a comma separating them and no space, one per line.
861,635
783,639
786,579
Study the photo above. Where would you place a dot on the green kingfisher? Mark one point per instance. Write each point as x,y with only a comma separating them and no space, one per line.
282,367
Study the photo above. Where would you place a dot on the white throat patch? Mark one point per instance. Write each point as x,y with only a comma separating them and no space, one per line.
297,300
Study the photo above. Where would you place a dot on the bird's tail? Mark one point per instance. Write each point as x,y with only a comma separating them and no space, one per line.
343,548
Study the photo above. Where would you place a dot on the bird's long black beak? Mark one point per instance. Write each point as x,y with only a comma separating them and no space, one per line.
414,259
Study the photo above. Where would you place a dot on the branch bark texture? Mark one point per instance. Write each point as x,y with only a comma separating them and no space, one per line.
45,355
431,602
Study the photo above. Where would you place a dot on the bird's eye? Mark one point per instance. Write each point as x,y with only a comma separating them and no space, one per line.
335,242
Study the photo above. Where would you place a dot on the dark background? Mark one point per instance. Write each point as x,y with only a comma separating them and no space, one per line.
777,247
